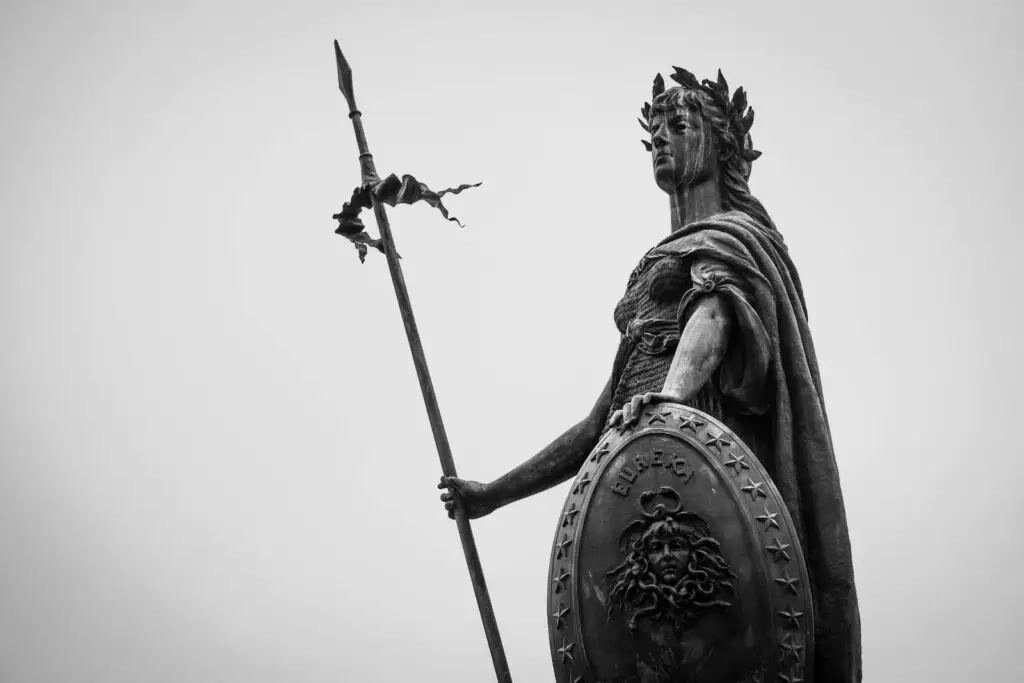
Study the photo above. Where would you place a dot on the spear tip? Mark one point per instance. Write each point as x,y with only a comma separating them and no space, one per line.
344,77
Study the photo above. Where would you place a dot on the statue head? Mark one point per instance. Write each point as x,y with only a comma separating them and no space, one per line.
684,148
700,133
673,568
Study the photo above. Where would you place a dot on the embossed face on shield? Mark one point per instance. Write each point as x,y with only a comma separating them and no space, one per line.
668,553
682,147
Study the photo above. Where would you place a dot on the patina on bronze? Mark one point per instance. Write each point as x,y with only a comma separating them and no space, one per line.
715,364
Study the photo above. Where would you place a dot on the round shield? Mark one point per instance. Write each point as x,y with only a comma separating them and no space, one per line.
675,559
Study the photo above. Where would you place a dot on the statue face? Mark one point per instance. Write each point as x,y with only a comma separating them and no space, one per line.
683,149
668,557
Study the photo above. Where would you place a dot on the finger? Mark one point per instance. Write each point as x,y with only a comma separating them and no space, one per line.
447,496
635,408
449,506
451,514
443,484
657,397
615,418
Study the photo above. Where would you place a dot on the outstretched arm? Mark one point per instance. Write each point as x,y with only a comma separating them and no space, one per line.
556,463
559,461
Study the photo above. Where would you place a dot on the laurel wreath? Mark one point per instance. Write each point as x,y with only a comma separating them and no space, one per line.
741,117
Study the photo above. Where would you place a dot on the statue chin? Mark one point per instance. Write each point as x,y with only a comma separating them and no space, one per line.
664,178
670,182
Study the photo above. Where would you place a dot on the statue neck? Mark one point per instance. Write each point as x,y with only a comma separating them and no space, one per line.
695,202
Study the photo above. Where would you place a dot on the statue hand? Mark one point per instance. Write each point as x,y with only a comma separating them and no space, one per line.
629,414
471,496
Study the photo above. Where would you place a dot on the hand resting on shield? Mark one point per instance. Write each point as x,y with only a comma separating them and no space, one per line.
629,414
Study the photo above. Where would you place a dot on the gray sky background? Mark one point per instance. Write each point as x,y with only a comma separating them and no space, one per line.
215,465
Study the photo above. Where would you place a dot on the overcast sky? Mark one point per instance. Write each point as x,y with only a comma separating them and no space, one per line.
215,465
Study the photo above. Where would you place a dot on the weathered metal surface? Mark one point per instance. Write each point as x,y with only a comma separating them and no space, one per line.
675,559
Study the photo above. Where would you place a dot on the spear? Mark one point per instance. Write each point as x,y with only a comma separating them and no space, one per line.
444,451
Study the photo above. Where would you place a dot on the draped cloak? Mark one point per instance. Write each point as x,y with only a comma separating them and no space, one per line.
767,389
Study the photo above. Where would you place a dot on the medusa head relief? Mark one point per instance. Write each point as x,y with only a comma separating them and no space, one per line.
673,569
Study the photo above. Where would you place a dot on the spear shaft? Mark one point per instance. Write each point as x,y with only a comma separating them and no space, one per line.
476,572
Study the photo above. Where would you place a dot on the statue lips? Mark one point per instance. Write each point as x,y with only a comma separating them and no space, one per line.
669,574
663,161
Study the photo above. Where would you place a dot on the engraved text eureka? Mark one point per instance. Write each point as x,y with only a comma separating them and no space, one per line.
640,462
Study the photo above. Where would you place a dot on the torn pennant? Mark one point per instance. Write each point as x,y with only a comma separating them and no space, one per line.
391,191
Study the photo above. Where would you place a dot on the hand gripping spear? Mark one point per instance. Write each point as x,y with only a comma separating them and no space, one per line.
476,572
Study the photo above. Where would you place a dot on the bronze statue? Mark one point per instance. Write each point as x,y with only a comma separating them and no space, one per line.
704,538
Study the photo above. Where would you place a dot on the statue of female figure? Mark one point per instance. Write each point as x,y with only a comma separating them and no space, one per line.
713,317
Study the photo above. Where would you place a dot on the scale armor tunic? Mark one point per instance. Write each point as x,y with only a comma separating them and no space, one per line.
661,294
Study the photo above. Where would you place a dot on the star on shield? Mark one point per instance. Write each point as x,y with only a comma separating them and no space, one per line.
717,442
600,453
560,580
791,647
690,422
778,550
659,417
792,616
754,489
570,515
559,615
769,519
582,483
788,582
563,547
566,651
737,462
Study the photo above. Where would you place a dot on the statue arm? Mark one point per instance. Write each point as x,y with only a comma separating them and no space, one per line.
701,348
557,462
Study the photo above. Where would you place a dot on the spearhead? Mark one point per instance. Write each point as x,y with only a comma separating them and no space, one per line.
345,78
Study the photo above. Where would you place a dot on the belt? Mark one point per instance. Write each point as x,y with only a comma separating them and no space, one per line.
653,337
